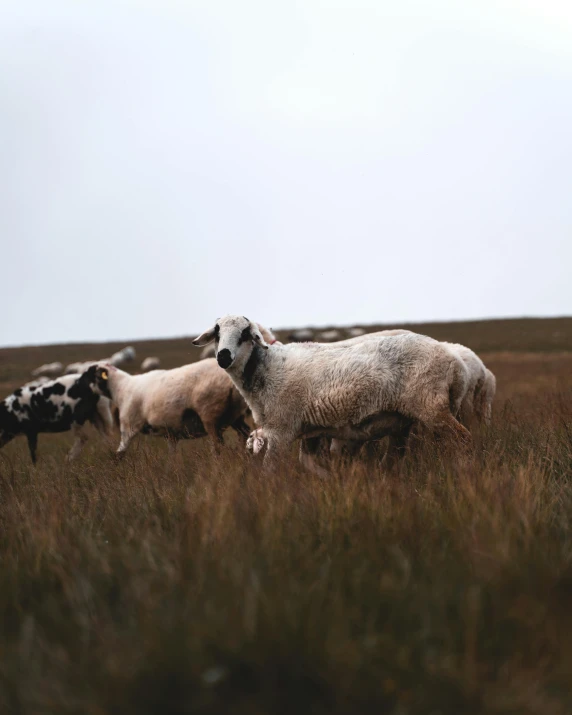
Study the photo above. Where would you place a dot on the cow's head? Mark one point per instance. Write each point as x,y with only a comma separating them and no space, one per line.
235,337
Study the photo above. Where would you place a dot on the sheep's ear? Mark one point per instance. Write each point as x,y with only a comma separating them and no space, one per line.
257,337
205,338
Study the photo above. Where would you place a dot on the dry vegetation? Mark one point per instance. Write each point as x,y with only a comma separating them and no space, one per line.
193,584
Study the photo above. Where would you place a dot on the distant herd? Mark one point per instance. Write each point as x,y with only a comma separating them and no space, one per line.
333,396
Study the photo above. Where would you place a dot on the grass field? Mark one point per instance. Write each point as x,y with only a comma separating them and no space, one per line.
194,584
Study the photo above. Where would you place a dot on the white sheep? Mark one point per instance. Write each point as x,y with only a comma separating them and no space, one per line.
122,356
186,402
50,369
356,332
304,335
79,367
471,401
475,390
329,336
150,363
355,392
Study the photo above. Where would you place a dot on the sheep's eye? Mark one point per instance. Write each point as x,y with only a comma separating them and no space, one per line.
245,335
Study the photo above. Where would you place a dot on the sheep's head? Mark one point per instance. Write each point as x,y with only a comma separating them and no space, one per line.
235,337
100,378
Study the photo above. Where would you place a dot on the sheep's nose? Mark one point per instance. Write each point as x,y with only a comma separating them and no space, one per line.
224,358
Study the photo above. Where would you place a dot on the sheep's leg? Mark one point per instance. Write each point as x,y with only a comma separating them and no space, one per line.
241,428
215,433
103,421
307,456
453,431
127,434
172,443
277,446
345,446
32,445
80,440
396,448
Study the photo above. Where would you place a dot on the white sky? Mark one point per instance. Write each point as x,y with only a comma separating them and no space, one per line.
165,163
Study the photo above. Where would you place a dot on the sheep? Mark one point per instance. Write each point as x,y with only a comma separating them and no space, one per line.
150,363
55,406
355,392
75,368
475,390
476,373
330,336
186,402
122,356
209,350
304,335
356,332
50,369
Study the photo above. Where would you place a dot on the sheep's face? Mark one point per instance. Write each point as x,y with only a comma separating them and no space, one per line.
101,379
234,337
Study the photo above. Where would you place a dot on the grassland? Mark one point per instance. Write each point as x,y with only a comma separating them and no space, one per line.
194,584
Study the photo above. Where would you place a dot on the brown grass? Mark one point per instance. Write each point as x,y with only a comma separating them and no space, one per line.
194,584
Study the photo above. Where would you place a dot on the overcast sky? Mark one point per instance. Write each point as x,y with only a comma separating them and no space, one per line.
164,163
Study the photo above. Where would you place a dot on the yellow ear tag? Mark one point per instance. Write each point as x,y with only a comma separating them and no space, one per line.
104,374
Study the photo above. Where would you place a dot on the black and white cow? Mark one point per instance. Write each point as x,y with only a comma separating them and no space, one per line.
66,403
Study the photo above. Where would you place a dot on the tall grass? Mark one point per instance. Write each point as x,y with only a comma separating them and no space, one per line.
195,584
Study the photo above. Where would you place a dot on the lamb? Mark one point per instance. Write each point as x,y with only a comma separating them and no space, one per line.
150,363
356,392
209,350
67,403
50,369
186,402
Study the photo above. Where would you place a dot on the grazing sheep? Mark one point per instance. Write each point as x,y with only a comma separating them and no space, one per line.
356,332
355,392
476,374
150,363
330,336
55,406
268,335
304,335
50,369
75,368
186,402
122,356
